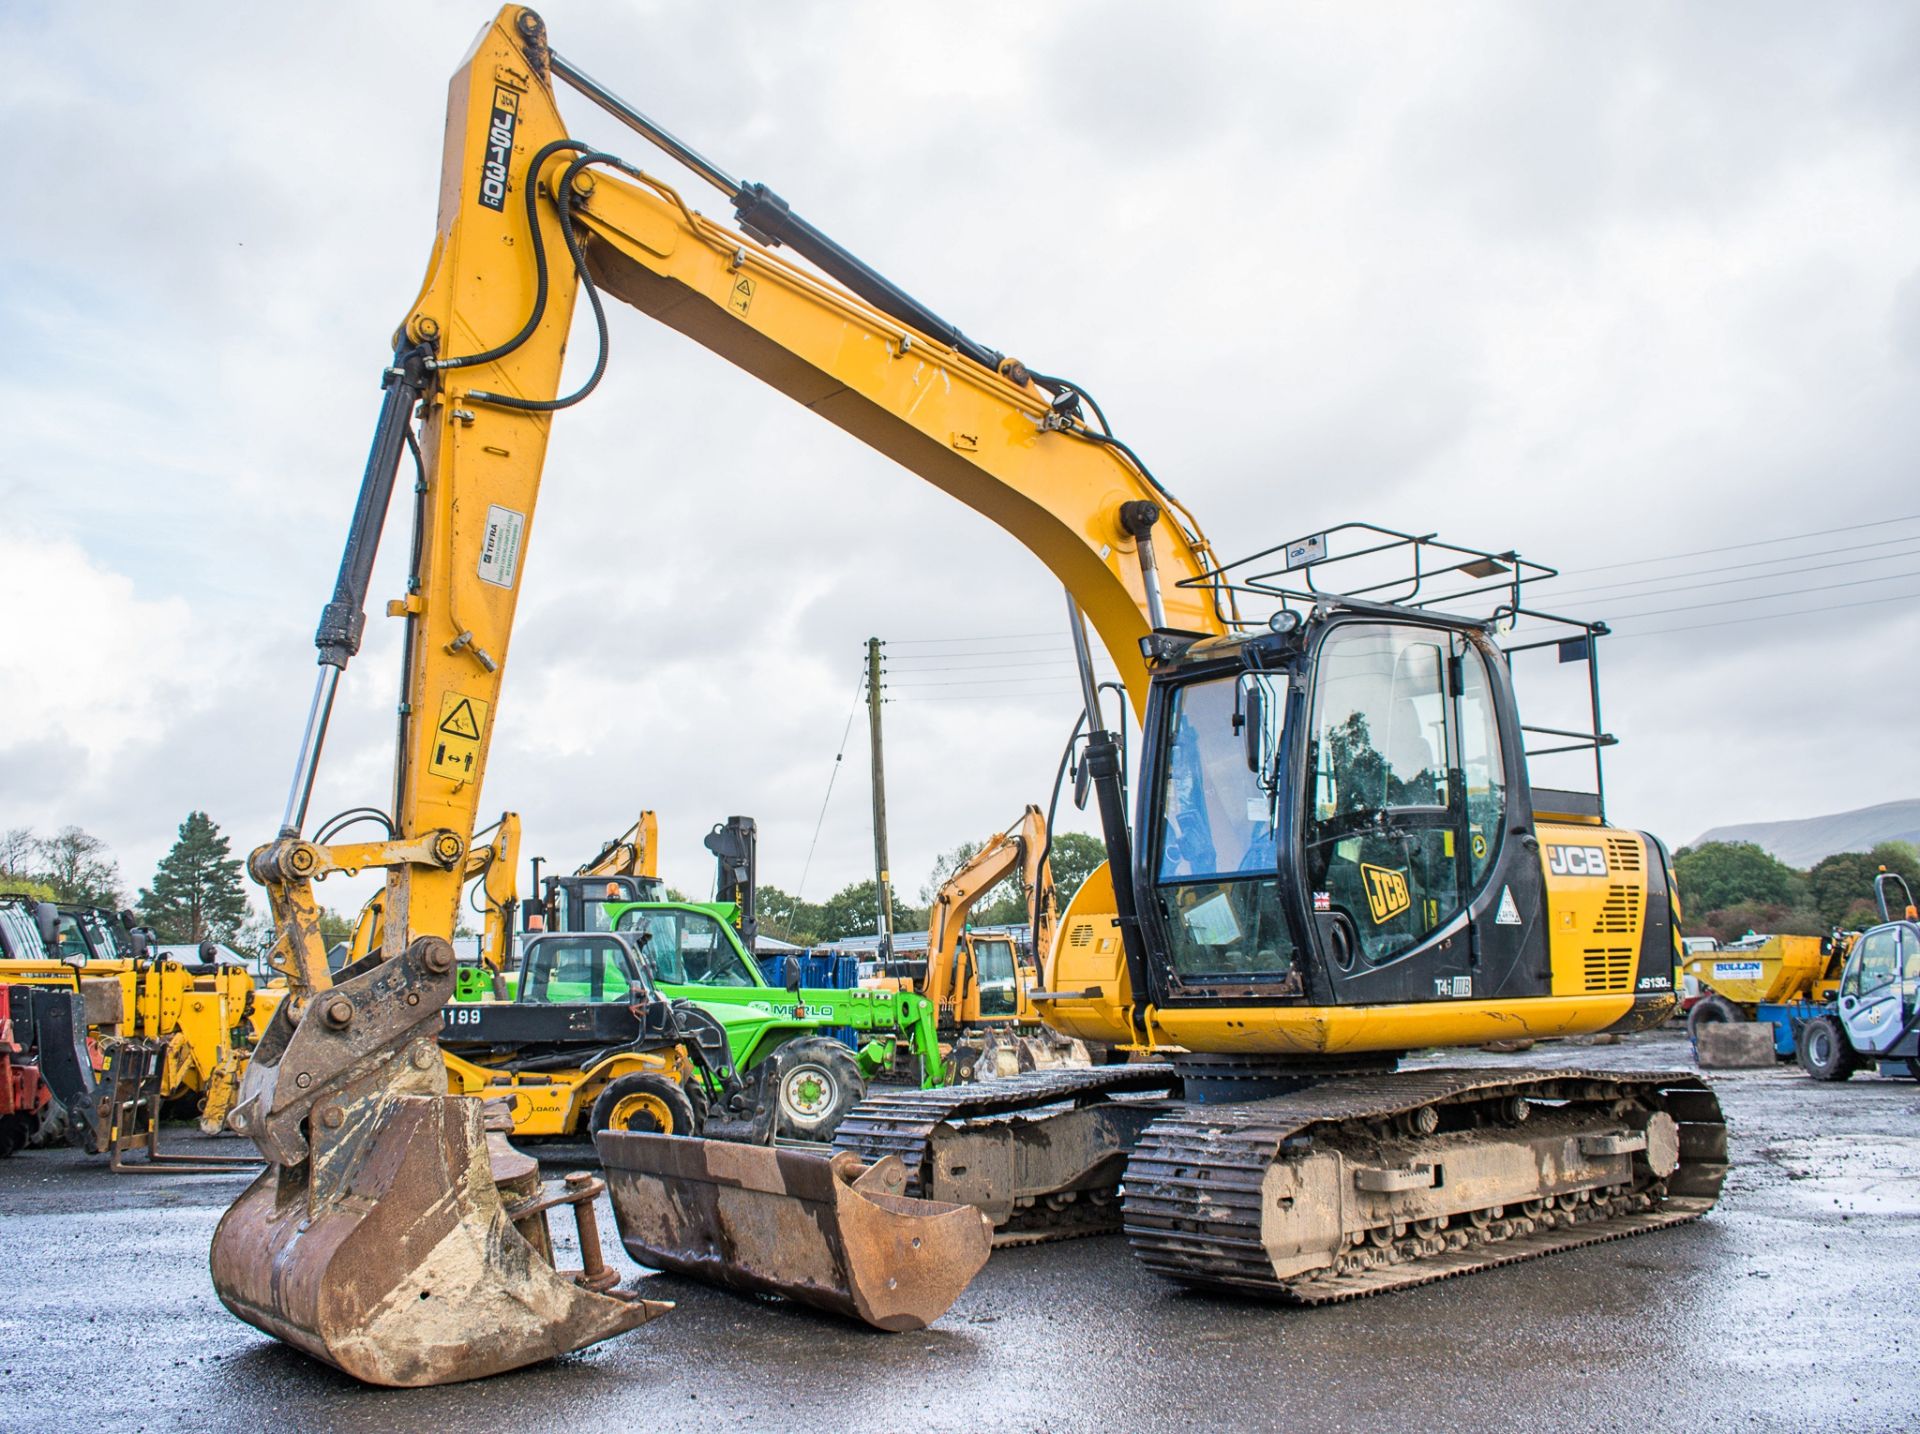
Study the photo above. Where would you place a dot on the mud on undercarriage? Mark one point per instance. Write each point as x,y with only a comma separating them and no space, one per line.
1348,1186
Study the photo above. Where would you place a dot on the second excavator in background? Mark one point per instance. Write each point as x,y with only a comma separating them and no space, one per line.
980,983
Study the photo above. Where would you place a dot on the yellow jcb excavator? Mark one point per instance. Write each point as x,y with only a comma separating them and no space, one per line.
1335,854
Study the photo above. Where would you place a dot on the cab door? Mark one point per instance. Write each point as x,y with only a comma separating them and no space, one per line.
1406,797
1876,994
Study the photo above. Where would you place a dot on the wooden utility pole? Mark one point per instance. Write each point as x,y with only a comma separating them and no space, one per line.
881,876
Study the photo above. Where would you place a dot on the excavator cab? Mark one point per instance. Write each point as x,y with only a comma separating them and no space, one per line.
995,968
578,903
1323,812
1333,809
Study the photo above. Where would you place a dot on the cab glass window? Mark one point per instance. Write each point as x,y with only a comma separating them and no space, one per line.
73,941
568,969
1483,769
1217,813
993,969
1382,831
687,948
1876,964
1381,729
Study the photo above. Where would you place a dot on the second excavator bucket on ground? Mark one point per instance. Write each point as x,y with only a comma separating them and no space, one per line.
390,1235
829,1231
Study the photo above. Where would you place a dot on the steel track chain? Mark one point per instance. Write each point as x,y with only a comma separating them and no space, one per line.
1193,1185
904,1123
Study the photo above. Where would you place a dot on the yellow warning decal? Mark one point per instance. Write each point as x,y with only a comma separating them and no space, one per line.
456,740
1387,894
741,299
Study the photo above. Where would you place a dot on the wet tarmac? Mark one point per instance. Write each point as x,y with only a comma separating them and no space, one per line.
1794,1305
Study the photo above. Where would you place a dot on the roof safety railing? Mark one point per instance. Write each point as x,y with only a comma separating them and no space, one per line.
1365,564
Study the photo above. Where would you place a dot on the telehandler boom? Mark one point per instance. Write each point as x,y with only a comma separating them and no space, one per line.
1335,855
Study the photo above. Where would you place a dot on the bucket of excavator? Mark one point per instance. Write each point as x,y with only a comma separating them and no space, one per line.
998,1052
828,1231
391,1235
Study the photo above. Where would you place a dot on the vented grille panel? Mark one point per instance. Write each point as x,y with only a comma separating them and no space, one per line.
1620,915
1081,935
1609,968
1623,854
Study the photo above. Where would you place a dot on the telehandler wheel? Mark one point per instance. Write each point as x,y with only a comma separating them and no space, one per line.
1822,1049
814,1082
644,1102
1708,1010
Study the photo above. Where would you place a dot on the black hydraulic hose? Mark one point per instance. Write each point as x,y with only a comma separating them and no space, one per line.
1064,386
1053,805
532,187
344,619
403,706
564,202
352,816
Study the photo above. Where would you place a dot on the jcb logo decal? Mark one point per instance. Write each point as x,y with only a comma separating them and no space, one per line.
1576,861
1387,894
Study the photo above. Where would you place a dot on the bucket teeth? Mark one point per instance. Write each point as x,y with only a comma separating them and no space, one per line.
379,1238
407,1270
830,1231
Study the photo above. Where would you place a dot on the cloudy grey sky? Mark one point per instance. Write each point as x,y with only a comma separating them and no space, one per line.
1603,283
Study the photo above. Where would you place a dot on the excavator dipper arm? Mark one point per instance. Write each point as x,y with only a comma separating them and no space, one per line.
391,1224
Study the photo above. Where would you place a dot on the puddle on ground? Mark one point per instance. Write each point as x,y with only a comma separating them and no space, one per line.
1851,1175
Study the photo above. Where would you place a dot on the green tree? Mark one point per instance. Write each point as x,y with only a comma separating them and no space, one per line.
335,927
1846,877
19,854
1074,857
20,865
197,891
79,868
785,918
1721,874
854,910
1760,918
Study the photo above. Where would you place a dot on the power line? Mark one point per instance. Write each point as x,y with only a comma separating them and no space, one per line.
1767,597
858,688
995,637
1764,617
1734,547
1063,657
982,682
991,696
1853,548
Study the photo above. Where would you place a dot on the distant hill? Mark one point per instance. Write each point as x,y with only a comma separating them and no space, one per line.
1803,842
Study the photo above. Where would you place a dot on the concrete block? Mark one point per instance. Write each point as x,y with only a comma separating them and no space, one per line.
1734,1045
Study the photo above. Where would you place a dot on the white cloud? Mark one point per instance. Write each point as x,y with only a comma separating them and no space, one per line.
1600,285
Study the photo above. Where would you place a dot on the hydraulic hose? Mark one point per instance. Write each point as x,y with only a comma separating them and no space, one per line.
532,188
563,201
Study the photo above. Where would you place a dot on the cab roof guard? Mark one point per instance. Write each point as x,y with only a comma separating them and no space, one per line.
1387,571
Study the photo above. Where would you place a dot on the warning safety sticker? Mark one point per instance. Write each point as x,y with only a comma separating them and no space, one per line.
456,740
